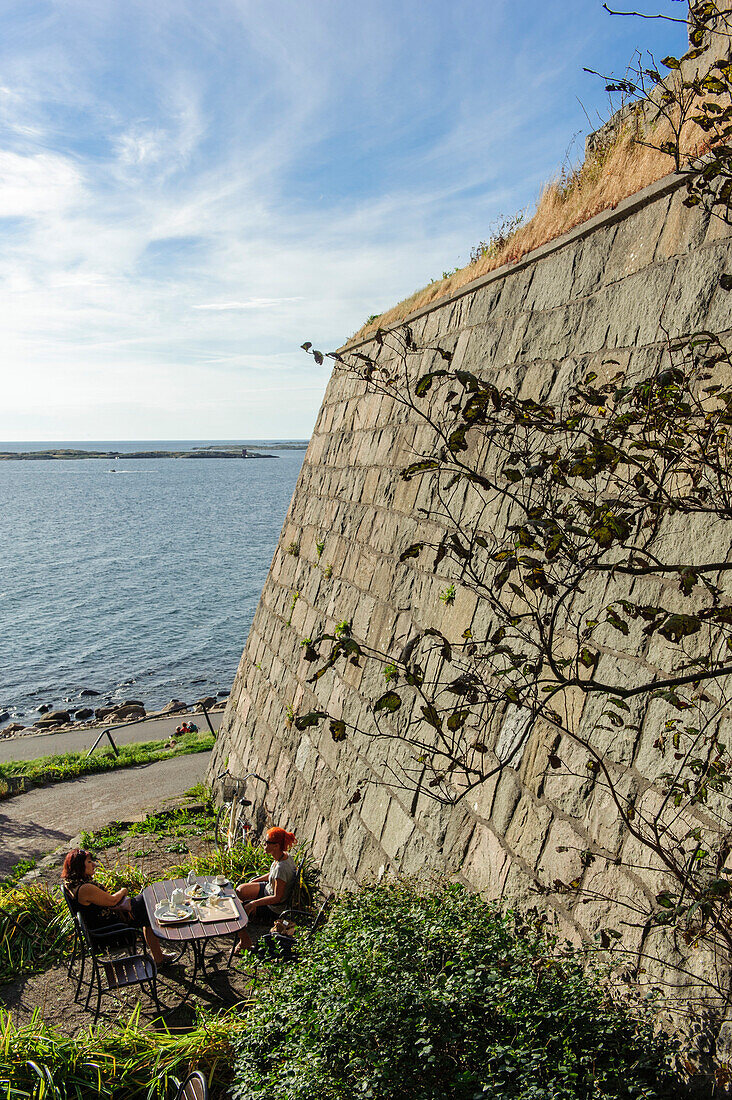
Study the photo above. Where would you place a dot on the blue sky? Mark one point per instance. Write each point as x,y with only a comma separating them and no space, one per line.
189,190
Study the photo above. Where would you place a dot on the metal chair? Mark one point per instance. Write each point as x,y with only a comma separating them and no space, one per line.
79,947
194,1087
119,959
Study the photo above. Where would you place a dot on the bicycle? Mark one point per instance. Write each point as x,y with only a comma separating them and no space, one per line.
232,827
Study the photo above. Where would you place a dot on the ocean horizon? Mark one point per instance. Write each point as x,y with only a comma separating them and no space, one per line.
141,585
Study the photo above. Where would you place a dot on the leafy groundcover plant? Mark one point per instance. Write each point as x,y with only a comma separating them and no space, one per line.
425,994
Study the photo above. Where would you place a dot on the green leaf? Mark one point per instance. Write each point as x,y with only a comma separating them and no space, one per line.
671,62
424,384
313,718
389,702
431,716
412,551
338,729
457,720
615,621
677,627
420,467
456,441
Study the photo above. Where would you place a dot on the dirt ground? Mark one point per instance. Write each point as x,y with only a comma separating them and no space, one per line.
53,991
35,823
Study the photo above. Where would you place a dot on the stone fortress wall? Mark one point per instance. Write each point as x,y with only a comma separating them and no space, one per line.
608,289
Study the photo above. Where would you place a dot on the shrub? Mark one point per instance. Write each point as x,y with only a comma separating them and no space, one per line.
409,995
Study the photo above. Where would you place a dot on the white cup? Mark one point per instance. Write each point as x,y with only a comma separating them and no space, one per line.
177,898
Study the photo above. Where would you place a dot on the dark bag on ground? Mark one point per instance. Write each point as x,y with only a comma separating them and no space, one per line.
273,945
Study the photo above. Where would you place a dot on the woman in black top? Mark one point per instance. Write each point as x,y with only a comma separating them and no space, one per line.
100,908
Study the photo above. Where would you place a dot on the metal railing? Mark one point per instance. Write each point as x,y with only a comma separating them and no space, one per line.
135,722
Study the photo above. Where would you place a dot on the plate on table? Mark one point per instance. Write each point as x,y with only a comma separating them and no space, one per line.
199,892
169,914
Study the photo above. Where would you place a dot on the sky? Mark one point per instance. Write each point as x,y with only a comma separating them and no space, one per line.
189,189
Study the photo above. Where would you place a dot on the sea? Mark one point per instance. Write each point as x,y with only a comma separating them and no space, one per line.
133,578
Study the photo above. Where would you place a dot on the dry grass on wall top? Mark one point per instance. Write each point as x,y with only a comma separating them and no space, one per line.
610,174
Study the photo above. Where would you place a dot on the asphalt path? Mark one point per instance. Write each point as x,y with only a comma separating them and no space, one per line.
34,745
34,824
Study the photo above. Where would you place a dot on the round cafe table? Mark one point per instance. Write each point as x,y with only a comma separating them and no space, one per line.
198,931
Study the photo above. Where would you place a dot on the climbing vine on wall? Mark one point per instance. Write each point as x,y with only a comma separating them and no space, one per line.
590,587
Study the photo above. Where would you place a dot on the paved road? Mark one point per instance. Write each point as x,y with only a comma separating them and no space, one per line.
45,744
33,824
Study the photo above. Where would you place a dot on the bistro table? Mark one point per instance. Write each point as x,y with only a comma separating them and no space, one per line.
195,932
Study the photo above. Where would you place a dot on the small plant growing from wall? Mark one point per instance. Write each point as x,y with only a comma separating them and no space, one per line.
294,549
447,595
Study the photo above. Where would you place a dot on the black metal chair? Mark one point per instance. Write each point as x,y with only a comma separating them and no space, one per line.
79,952
119,959
194,1087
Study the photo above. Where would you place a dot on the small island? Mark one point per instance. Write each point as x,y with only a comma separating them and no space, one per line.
224,451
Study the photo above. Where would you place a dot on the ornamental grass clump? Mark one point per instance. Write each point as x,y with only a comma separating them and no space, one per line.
408,994
126,1062
35,930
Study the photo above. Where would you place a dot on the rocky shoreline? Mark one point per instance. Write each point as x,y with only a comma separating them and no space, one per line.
129,711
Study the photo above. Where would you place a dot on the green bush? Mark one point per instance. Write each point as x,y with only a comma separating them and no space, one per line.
413,995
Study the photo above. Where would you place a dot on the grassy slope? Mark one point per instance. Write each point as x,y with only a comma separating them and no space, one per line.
610,174
63,766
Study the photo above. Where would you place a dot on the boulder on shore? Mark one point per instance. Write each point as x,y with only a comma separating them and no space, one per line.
85,712
175,706
87,692
54,718
43,708
130,710
119,711
133,703
104,712
12,728
208,702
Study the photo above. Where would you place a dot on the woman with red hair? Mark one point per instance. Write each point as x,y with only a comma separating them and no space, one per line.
269,892
100,908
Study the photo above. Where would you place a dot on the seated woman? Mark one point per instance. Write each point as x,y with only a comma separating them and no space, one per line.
101,909
267,893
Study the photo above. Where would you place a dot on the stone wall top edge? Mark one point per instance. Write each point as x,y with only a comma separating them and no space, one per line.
624,209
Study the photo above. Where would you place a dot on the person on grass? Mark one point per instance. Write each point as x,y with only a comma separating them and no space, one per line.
101,909
266,894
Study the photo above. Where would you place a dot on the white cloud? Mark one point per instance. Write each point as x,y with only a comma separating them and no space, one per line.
42,183
251,303
202,192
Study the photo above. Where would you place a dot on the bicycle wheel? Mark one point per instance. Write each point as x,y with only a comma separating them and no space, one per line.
221,829
239,826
